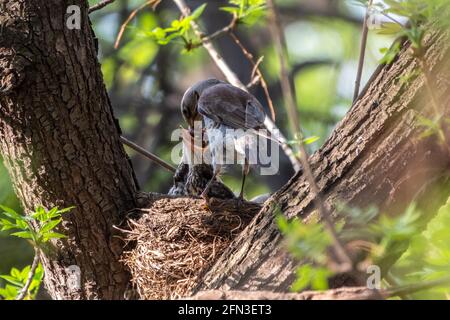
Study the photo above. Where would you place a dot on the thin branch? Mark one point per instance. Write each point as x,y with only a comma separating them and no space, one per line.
416,287
228,28
281,49
344,257
100,5
258,72
234,80
133,14
362,52
148,154
24,292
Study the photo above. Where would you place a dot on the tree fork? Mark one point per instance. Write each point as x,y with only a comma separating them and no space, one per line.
61,143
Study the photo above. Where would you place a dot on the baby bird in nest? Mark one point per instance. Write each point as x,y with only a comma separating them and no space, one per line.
224,108
193,175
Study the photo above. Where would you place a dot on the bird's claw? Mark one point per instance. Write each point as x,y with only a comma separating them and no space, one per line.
205,197
240,202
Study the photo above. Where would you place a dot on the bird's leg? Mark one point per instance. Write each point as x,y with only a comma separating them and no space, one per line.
245,170
204,194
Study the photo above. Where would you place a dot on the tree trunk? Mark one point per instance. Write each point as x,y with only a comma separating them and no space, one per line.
374,156
60,142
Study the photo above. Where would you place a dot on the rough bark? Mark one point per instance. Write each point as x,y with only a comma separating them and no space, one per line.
374,156
60,142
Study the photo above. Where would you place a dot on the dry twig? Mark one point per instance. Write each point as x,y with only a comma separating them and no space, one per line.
100,5
133,14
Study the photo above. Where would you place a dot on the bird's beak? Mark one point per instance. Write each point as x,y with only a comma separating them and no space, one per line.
189,140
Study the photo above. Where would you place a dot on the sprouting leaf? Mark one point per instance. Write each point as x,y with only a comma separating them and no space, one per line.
390,54
10,213
60,212
246,11
50,225
11,279
390,28
23,234
198,12
52,235
310,140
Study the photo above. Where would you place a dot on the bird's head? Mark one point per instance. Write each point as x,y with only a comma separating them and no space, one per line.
189,103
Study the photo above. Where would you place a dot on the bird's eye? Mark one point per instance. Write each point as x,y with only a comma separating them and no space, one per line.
197,96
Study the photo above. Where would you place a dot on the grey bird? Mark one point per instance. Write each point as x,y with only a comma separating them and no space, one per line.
222,106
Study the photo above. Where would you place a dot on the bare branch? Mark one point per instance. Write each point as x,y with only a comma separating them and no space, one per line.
362,53
228,28
100,5
23,293
148,154
258,72
152,3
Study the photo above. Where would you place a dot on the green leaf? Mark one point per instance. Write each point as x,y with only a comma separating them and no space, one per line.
390,28
49,225
9,292
60,212
23,234
391,53
53,235
310,140
198,12
24,273
303,280
12,280
15,272
10,213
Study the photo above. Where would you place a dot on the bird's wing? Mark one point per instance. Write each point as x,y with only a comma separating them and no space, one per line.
231,106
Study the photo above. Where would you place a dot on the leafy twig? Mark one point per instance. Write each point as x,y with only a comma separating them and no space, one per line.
234,80
362,52
344,257
24,291
100,5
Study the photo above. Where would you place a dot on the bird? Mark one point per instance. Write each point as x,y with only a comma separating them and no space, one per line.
221,107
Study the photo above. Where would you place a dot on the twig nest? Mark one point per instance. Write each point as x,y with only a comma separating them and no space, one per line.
177,239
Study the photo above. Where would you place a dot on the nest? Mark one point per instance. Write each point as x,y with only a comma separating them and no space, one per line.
177,239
